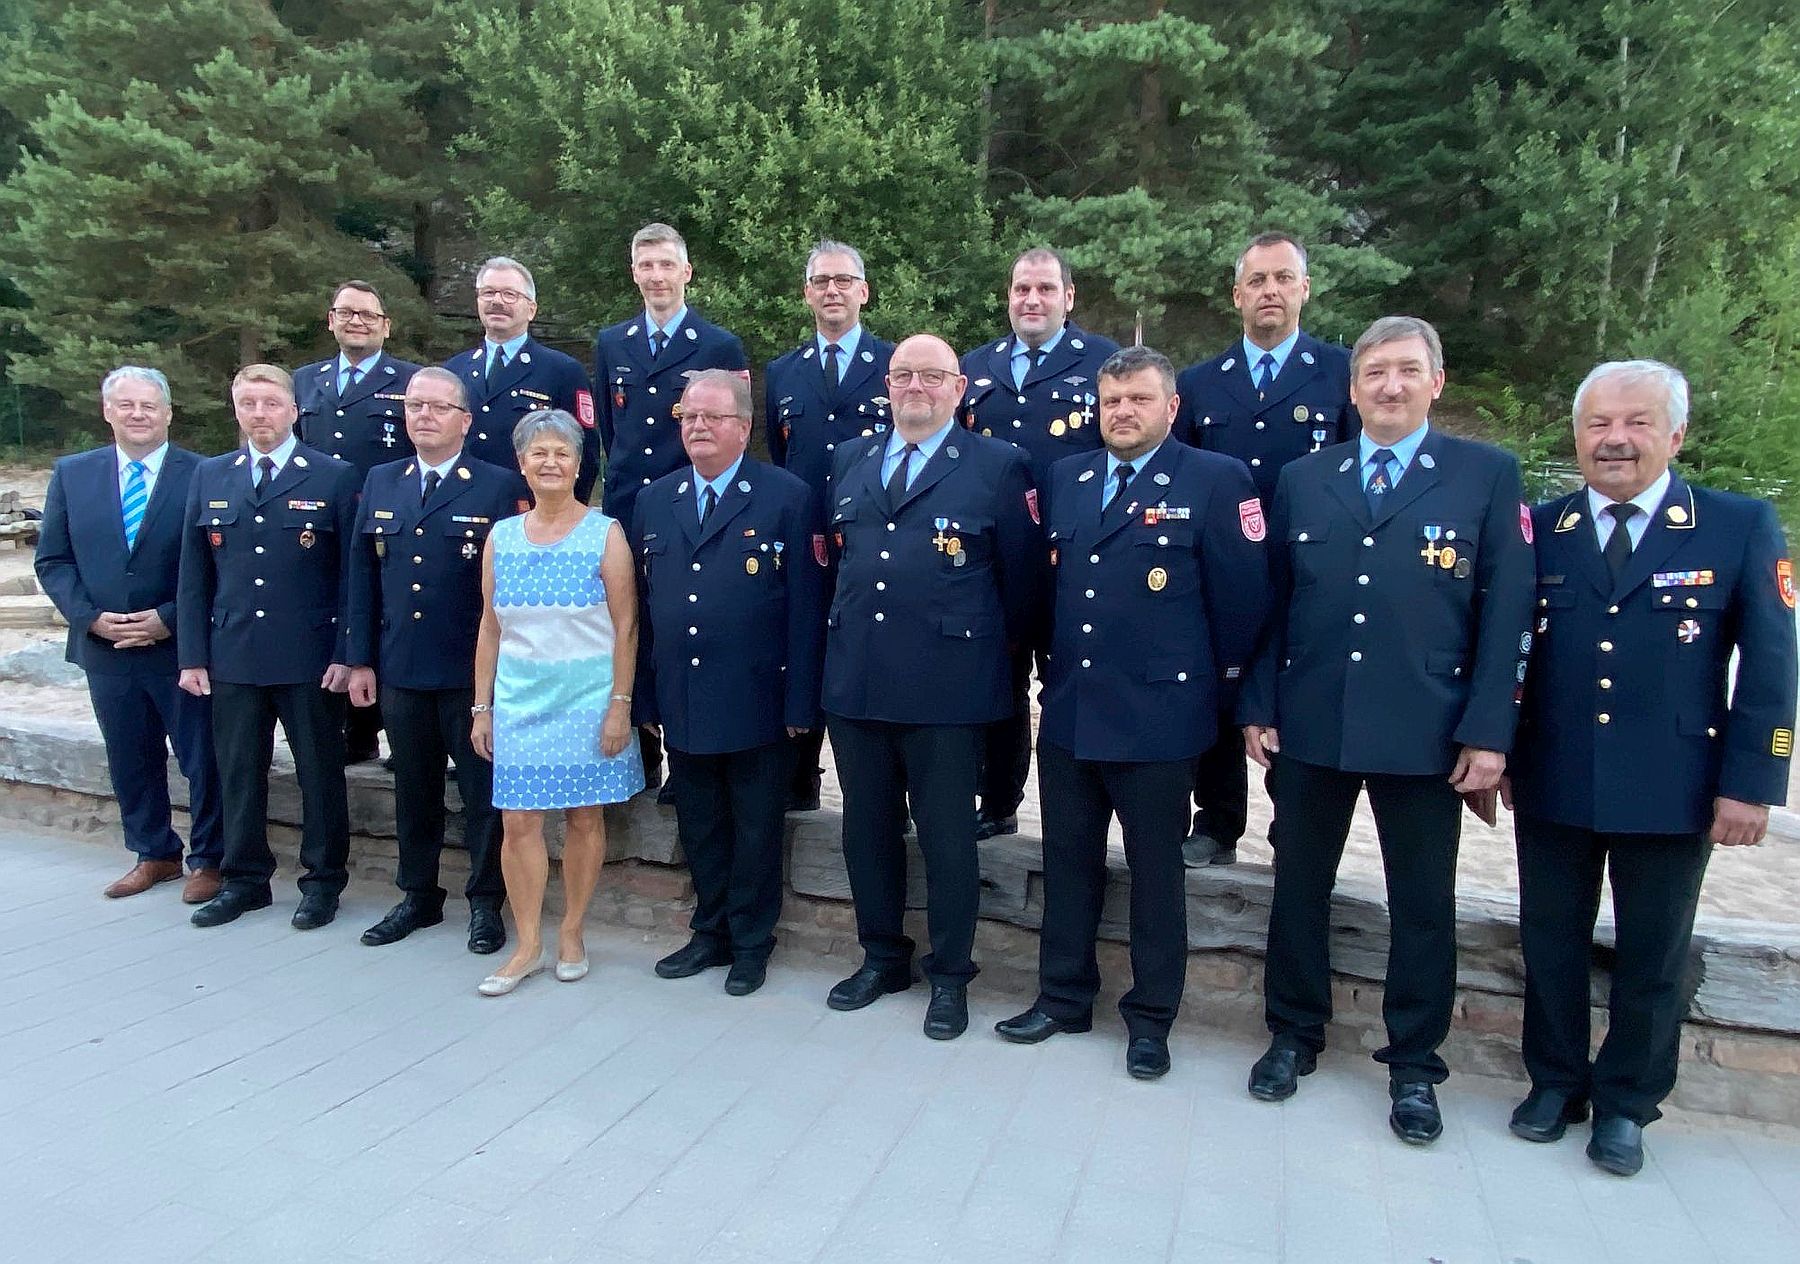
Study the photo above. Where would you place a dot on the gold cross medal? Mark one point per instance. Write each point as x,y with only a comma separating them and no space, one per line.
1158,579
1431,552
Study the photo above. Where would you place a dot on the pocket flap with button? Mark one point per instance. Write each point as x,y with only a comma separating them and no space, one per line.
651,548
845,512
1446,662
1167,535
468,530
969,626
1688,598
1173,669
1556,598
216,517
1309,533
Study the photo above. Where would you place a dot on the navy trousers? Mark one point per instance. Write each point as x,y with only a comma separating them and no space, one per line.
141,718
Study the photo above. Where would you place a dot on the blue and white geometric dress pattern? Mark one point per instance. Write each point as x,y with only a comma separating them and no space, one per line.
554,679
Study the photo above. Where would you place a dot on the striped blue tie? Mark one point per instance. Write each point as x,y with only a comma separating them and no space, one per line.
137,495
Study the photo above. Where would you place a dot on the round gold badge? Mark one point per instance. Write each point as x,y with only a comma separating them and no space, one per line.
308,539
1075,420
1058,428
1299,412
1158,579
953,546
1446,557
750,566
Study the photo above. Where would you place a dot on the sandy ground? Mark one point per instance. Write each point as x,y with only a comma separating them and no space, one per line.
1757,884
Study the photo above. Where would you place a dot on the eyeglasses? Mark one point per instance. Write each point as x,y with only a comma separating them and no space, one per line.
705,421
437,408
929,378
508,295
349,314
842,281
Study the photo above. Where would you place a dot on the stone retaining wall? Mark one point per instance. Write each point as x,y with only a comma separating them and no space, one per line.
1740,1050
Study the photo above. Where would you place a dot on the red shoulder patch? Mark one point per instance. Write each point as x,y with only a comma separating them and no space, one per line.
820,554
1525,521
1784,581
1250,518
584,408
1031,503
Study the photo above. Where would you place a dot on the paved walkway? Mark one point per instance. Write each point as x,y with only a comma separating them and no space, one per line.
258,1094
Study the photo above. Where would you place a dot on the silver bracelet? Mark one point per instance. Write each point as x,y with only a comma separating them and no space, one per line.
481,708
621,697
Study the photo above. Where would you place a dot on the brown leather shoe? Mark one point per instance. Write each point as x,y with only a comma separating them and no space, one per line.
144,875
201,886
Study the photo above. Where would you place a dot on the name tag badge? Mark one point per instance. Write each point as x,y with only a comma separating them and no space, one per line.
384,513
218,504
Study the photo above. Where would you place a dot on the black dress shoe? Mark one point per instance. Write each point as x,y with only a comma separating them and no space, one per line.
316,909
1546,1113
693,957
1617,1145
947,1014
745,977
1035,1026
487,931
1276,1075
402,920
1147,1057
994,826
867,986
1415,1117
229,905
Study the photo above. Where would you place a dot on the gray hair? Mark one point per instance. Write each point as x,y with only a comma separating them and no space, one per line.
551,421
1129,360
1667,376
506,261
1269,239
651,234
1397,329
827,246
432,373
739,388
156,378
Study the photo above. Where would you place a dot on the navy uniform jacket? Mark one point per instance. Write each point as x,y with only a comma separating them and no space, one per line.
734,612
1390,643
807,419
931,592
263,574
415,572
638,395
1625,726
1307,407
1158,603
367,425
1056,413
538,377
83,565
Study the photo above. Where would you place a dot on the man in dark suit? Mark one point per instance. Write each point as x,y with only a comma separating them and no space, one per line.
1631,762
830,390
939,573
729,649
1274,394
1034,387
1401,580
1161,588
108,555
415,608
511,373
350,409
261,621
640,367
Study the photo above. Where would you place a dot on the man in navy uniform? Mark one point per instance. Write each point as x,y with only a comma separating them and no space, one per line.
511,373
729,647
830,390
640,368
260,628
1034,388
1161,588
1630,760
415,607
350,409
108,554
1401,579
939,574
1274,394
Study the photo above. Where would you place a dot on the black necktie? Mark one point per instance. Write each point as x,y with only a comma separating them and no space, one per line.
1378,481
431,485
496,361
1618,544
829,363
708,502
896,488
1124,477
658,342
265,470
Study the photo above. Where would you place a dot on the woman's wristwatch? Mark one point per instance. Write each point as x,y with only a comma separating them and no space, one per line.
481,708
621,697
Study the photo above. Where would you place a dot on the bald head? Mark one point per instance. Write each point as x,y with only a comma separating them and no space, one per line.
924,385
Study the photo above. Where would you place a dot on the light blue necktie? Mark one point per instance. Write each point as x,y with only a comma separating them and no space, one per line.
136,497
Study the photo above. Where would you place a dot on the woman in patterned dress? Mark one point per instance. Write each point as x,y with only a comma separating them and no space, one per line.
553,674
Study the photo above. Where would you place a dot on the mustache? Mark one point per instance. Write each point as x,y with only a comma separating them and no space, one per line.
1615,452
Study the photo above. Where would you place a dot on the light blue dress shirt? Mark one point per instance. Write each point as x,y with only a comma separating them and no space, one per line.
1253,355
1021,355
928,447
718,486
344,366
846,347
510,347
1404,451
668,330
